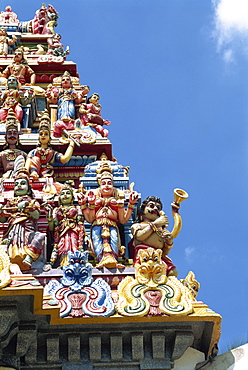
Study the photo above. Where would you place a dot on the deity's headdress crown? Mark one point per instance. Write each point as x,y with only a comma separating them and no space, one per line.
11,121
45,122
68,185
66,74
104,170
22,173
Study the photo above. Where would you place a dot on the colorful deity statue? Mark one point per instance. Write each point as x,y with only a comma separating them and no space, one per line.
150,230
90,115
12,157
65,97
55,47
12,98
105,210
40,160
66,222
20,69
5,41
24,242
45,20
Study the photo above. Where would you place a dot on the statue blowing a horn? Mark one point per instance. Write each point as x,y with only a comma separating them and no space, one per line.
150,228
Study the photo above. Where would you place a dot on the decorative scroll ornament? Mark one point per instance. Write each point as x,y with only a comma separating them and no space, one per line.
44,59
84,136
87,136
192,284
151,272
152,293
78,272
77,294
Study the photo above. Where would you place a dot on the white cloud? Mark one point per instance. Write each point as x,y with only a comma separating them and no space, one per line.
228,56
231,27
188,253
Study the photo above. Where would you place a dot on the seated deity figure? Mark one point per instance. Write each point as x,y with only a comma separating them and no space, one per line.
65,97
150,229
55,47
90,115
20,69
12,156
24,242
5,41
67,223
105,210
12,98
40,160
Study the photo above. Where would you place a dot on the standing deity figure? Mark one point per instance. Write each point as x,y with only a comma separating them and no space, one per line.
5,41
66,222
65,97
12,156
20,69
150,230
12,98
24,242
90,115
105,210
40,160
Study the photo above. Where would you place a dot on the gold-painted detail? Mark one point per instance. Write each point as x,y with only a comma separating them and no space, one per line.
151,271
69,174
192,284
5,278
174,298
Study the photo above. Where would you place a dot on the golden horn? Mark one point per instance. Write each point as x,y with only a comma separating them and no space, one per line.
180,195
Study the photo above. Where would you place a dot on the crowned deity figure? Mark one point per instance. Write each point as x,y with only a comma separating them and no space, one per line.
67,223
12,156
65,97
20,69
13,97
105,210
23,240
41,159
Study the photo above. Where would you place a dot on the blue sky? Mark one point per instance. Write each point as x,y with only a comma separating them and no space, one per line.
172,76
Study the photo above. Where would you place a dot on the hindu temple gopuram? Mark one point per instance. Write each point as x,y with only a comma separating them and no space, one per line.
86,280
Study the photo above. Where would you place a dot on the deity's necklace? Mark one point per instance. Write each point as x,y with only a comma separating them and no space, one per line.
43,153
11,155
